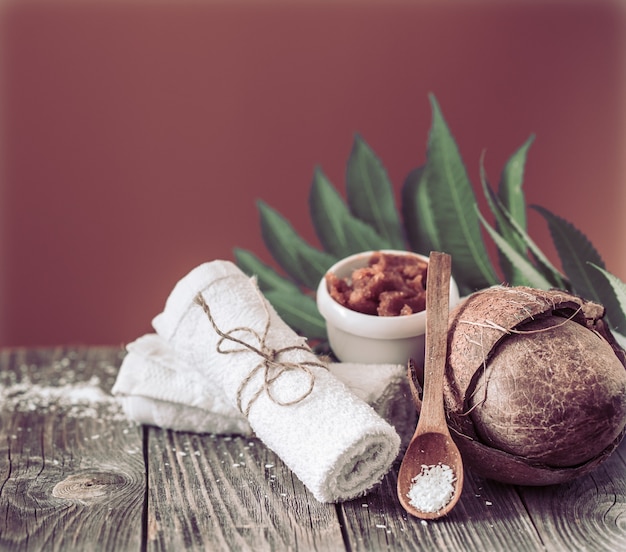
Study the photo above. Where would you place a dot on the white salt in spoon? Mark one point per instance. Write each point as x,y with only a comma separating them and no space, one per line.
432,444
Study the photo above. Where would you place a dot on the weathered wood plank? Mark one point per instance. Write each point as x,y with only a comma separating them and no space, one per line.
72,475
587,514
230,493
489,516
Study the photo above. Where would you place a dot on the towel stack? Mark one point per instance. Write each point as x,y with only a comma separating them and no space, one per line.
223,361
157,388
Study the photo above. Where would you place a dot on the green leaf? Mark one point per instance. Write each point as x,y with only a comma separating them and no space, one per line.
549,271
530,275
621,339
454,208
578,257
267,277
340,233
511,195
300,312
304,263
421,231
370,193
514,235
512,275
510,189
617,309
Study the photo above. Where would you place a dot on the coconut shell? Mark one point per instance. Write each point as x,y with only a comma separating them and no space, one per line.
541,423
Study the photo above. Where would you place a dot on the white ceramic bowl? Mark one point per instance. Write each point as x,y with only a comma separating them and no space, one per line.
370,339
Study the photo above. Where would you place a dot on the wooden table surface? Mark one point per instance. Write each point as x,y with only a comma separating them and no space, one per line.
76,475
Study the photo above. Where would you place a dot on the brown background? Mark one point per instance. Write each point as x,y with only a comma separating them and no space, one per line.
136,136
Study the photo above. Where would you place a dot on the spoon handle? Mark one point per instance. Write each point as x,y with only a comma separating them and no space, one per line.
437,309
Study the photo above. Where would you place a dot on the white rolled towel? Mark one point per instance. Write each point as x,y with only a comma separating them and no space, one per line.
333,441
156,388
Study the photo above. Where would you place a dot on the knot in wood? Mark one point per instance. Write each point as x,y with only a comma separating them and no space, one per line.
88,486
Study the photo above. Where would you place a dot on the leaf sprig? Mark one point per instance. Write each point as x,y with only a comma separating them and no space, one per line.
439,211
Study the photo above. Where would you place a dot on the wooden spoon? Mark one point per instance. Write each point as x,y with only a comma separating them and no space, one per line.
432,444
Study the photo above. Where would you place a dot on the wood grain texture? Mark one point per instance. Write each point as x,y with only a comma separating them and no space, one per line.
488,516
586,514
71,475
230,493
75,475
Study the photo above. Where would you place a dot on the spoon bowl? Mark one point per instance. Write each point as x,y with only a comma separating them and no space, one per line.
430,449
432,454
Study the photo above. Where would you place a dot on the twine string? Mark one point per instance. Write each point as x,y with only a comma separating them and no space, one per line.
271,364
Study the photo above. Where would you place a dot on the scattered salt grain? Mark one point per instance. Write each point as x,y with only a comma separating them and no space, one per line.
432,488
76,400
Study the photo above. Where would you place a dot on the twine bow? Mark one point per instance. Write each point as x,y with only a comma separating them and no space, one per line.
270,364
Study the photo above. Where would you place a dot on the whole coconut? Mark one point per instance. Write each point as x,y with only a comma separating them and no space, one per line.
535,388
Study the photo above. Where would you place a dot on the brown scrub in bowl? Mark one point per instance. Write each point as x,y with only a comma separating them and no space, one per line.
390,285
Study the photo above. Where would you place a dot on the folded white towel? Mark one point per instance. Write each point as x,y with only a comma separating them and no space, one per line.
336,443
156,388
